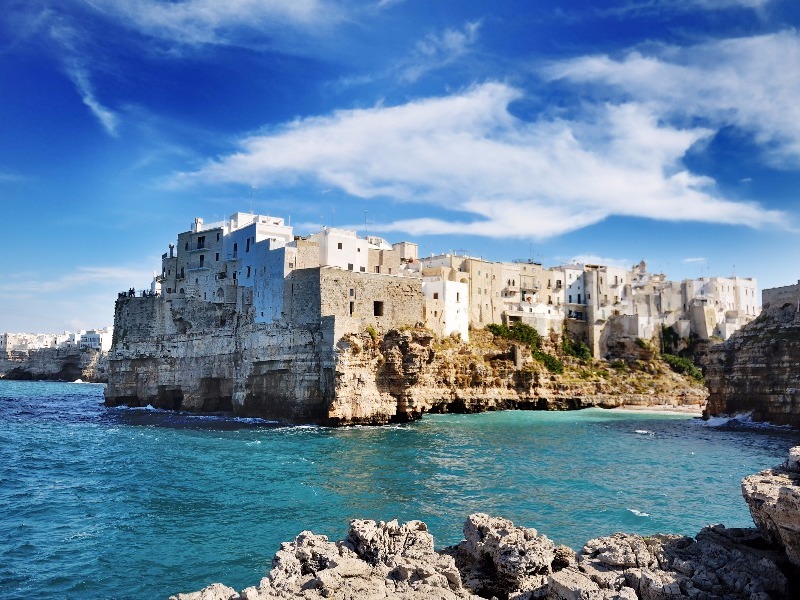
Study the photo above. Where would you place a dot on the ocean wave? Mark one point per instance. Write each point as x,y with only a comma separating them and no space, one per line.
740,420
638,513
644,432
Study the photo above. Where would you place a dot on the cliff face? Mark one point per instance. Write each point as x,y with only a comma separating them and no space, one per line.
407,373
55,364
758,369
501,560
193,355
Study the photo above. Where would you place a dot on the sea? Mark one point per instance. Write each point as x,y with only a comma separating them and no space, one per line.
109,503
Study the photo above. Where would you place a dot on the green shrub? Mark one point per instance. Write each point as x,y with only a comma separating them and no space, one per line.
518,332
575,348
371,331
682,365
549,361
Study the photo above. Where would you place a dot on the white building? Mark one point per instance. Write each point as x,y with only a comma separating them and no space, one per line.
446,306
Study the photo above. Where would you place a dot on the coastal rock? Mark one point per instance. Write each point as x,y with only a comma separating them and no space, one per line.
773,497
375,560
756,370
500,559
55,364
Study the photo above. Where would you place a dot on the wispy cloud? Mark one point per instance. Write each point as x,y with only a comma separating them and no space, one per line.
111,277
436,51
75,67
697,259
500,177
594,259
750,83
215,22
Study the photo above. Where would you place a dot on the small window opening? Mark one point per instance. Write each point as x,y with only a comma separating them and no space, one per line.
377,309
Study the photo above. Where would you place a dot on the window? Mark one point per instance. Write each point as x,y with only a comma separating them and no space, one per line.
363,269
349,266
390,270
377,269
247,249
182,274
435,295
352,308
248,272
458,296
570,298
235,249
201,242
216,257
377,308
217,236
339,246
186,246
202,259
358,249
579,298
352,293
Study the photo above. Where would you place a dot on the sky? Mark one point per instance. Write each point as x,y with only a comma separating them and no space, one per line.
553,130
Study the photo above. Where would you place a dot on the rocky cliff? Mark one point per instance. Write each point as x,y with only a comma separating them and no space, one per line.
192,355
498,559
59,364
757,370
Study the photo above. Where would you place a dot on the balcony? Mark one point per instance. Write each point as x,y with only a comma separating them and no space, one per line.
197,266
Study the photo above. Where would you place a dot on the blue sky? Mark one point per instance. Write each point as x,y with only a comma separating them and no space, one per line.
556,130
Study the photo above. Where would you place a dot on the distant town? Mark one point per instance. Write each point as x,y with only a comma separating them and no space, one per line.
247,260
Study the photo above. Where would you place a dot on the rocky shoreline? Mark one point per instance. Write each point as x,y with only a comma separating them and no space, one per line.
55,364
500,560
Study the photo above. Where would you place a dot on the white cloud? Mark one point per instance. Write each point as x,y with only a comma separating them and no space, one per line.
74,67
438,51
213,21
698,259
500,176
751,83
594,259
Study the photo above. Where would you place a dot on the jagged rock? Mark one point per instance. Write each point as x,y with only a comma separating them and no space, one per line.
773,497
499,558
375,560
215,591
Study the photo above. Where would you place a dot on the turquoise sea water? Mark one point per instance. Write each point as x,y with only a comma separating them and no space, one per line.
123,503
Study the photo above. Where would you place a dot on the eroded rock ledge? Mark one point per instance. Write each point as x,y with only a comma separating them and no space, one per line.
501,560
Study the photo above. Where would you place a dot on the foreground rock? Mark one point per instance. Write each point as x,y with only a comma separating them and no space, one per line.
501,560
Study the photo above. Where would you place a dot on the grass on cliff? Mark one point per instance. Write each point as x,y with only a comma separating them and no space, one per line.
519,332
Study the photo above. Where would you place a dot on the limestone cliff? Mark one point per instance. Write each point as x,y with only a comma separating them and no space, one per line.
498,559
758,369
193,355
58,364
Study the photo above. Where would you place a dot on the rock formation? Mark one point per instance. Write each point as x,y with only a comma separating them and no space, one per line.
757,370
501,560
55,364
197,356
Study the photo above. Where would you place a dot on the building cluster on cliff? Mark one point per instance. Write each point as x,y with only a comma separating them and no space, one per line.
256,263
95,339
